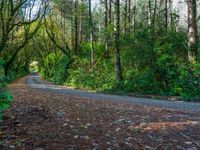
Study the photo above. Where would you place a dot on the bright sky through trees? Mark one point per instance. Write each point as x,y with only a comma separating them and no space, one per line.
33,8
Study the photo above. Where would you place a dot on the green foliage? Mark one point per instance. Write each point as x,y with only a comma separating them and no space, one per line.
188,83
153,65
158,66
99,80
48,64
140,82
61,70
55,69
154,60
5,97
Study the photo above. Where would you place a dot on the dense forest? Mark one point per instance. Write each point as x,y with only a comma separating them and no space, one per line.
139,47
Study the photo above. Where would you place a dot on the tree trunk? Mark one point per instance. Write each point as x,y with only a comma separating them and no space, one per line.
134,20
106,13
81,24
63,25
106,27
125,16
150,13
118,70
72,28
192,30
76,40
91,35
166,15
110,12
129,15
154,17
171,15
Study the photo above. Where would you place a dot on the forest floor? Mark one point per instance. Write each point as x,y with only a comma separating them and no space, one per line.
45,120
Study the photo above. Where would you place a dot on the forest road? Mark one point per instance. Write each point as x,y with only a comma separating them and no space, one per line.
36,82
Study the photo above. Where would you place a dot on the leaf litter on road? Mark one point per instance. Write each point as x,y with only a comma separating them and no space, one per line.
38,119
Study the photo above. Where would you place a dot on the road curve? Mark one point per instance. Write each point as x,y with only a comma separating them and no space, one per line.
37,83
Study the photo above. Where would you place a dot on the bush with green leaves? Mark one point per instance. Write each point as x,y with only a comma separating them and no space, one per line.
158,65
99,80
5,97
187,85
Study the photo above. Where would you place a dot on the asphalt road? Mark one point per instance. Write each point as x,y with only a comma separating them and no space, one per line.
36,82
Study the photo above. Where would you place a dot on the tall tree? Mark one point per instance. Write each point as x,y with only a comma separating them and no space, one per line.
171,14
154,16
76,33
134,18
129,15
192,30
125,16
166,15
150,13
118,68
91,35
110,12
106,24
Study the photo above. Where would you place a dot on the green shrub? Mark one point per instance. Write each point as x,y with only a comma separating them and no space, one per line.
141,82
5,97
99,79
188,83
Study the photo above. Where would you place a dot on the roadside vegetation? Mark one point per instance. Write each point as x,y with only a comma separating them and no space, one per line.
5,97
17,28
151,52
